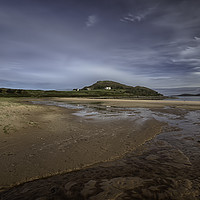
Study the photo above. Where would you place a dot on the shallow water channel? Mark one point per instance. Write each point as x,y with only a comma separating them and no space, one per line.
185,124
178,146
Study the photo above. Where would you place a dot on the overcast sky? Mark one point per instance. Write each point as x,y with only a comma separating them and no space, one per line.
65,44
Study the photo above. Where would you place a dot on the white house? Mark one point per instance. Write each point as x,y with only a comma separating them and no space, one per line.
108,88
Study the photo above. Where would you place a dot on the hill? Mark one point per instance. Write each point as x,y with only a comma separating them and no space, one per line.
115,90
103,84
135,91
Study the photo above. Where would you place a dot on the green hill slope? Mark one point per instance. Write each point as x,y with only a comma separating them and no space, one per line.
135,91
103,84
96,90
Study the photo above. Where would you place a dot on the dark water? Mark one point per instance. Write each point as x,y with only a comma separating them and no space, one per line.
178,91
185,98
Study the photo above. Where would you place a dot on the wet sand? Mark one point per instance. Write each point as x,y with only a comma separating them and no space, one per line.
135,103
38,141
104,152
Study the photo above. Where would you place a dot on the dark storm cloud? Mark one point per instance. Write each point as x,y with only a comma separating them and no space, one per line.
65,44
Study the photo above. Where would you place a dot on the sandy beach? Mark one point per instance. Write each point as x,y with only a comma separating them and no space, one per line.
135,103
107,149
33,137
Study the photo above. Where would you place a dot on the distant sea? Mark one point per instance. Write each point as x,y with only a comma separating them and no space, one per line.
174,92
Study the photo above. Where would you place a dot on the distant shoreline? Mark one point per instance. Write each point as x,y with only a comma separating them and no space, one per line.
135,103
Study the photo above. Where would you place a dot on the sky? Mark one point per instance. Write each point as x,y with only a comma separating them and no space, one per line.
66,44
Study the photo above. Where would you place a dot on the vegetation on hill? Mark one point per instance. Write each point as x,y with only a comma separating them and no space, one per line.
96,90
136,91
103,84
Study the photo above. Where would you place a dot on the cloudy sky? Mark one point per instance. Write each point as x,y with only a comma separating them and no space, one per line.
65,44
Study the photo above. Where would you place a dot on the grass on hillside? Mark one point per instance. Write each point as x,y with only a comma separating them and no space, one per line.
81,93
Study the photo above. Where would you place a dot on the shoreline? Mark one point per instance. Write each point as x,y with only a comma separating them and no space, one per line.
135,167
135,103
37,135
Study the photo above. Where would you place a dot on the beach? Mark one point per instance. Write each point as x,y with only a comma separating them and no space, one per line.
135,103
80,148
